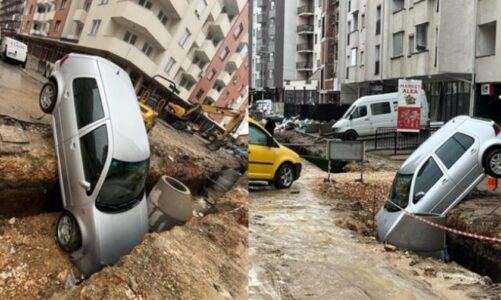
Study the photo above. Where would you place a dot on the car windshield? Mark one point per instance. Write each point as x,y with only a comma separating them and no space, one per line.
348,112
123,186
400,191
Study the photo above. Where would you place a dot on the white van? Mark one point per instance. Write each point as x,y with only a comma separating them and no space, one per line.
14,50
368,113
265,106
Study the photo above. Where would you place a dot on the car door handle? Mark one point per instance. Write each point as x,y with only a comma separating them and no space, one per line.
473,151
72,146
445,180
85,184
366,119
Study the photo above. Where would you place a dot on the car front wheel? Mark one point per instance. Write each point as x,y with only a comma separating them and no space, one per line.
68,233
284,176
48,97
493,163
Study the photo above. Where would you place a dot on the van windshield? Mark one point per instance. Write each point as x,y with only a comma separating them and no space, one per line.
348,112
124,186
400,191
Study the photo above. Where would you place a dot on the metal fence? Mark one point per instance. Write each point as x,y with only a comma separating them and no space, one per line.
388,138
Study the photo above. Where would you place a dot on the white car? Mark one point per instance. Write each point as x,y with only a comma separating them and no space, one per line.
14,50
103,159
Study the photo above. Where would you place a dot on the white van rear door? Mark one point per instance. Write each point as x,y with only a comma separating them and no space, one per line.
382,114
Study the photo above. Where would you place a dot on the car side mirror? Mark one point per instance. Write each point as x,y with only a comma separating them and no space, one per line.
351,117
85,184
418,196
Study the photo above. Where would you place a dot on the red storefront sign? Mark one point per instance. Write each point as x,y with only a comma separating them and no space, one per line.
409,119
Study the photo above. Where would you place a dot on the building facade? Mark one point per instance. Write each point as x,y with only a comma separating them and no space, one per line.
381,41
11,12
329,87
182,41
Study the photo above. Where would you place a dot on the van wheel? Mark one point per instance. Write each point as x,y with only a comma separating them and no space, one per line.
48,97
350,135
24,64
68,234
284,177
493,163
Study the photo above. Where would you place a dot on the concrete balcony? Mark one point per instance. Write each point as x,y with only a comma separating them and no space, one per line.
304,47
216,10
261,19
224,78
175,8
193,72
305,29
221,26
261,3
79,16
50,15
117,47
200,39
38,17
207,50
304,66
234,62
142,21
305,11
233,7
213,95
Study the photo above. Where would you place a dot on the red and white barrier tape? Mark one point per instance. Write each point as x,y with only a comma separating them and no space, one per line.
448,229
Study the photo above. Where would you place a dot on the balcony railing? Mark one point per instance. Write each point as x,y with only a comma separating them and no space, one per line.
305,28
305,47
305,9
304,65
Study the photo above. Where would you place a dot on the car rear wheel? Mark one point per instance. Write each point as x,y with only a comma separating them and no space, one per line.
493,163
284,176
68,234
48,97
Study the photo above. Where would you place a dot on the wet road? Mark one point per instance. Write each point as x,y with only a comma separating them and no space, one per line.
19,94
298,252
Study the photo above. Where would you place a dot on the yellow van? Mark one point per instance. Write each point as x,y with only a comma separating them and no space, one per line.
270,161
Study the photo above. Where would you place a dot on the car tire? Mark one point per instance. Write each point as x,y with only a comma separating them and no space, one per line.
350,135
48,97
493,163
68,234
284,177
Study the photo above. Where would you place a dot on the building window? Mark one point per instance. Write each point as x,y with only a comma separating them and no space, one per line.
63,4
398,40
103,2
349,5
224,53
486,39
87,5
239,30
144,3
201,6
353,57
362,57
421,37
95,27
398,5
363,21
130,38
355,21
323,27
147,49
169,66
162,17
31,9
411,44
184,38
376,62
199,94
378,20
211,74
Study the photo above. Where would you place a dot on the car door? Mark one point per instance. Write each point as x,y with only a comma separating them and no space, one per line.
381,114
360,120
261,155
459,156
431,185
88,115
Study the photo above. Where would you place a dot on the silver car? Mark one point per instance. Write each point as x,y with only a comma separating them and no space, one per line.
103,159
436,177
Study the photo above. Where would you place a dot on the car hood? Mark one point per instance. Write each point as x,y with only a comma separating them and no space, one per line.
288,152
340,123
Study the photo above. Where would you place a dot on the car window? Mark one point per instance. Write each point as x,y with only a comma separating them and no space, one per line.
257,136
380,108
94,148
454,148
361,111
428,175
88,106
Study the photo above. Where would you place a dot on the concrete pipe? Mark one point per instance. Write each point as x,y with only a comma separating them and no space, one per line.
169,204
226,180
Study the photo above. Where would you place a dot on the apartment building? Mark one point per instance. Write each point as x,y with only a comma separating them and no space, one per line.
182,40
328,83
11,12
381,41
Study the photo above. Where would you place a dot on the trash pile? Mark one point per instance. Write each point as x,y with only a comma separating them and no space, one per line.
295,123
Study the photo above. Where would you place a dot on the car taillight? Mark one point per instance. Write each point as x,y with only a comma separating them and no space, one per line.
497,129
61,62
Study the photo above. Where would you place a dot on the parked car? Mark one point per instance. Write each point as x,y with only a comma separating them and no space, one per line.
103,159
368,113
14,50
270,161
438,175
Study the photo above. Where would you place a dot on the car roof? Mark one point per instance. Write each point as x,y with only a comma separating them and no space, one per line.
424,151
376,98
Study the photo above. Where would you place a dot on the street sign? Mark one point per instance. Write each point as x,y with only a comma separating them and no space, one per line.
345,150
409,105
